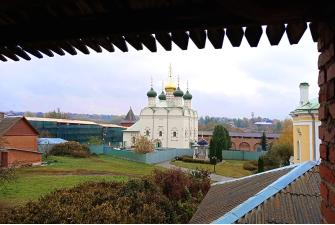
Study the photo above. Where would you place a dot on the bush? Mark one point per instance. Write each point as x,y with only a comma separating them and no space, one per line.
190,159
165,197
70,148
250,165
7,175
143,145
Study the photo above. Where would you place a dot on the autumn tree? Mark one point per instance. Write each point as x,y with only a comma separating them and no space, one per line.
143,145
282,149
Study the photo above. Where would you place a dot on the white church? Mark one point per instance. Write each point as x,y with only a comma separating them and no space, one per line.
170,121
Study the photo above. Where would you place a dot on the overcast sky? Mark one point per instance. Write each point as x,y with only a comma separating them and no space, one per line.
230,82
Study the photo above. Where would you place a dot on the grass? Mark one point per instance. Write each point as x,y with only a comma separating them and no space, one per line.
33,182
92,165
27,188
229,168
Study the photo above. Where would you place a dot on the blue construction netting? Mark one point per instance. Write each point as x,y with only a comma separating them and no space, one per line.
80,132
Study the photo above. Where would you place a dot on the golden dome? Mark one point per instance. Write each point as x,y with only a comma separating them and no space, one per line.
170,87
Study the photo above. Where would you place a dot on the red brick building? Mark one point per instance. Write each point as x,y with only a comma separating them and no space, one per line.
250,142
19,142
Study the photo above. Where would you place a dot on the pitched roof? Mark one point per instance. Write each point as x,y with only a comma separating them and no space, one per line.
130,117
7,123
299,202
221,198
293,197
313,104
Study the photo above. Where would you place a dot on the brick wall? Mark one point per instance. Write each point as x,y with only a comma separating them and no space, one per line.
22,142
326,81
23,157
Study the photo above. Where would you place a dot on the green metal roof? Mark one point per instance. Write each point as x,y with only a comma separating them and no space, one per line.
313,104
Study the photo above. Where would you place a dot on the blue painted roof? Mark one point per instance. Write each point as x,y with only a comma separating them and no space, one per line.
265,194
51,141
202,142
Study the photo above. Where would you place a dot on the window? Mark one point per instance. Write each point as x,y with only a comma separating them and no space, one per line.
174,134
134,139
147,133
160,133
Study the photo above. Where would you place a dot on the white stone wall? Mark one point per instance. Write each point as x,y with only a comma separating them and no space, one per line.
129,137
160,124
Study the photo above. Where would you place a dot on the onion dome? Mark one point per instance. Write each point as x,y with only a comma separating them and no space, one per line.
178,93
187,96
170,87
162,96
151,93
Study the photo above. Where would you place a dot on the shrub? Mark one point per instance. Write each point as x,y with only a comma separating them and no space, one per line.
143,145
190,159
6,175
250,165
165,197
70,148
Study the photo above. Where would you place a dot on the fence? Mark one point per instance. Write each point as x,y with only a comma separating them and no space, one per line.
97,149
149,158
242,155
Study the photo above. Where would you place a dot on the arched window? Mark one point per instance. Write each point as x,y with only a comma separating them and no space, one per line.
174,134
147,133
160,133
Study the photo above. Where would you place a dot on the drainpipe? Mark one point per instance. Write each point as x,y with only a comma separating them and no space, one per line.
313,132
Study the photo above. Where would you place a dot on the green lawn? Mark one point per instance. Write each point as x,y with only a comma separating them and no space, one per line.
95,164
34,182
229,168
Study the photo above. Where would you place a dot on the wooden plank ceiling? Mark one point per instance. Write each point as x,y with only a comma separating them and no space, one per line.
42,28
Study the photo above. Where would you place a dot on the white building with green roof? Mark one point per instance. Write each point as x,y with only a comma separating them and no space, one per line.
169,121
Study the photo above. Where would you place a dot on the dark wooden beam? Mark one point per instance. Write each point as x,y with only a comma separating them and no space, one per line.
19,51
198,37
235,35
134,41
119,42
165,40
149,42
295,31
106,44
313,27
2,58
9,54
67,47
32,51
180,38
253,34
93,44
78,44
275,33
216,36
